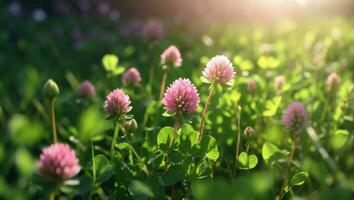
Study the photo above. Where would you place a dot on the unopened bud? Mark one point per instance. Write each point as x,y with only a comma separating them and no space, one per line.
131,125
249,132
251,86
50,89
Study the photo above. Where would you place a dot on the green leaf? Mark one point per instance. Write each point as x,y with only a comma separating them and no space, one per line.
174,174
103,169
187,139
272,106
77,186
110,62
342,132
167,114
91,125
204,80
24,131
268,62
202,170
253,160
268,150
176,157
299,178
25,163
164,138
140,190
207,147
123,145
118,70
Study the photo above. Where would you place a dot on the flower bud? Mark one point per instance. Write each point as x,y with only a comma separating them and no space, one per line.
130,125
251,86
249,132
50,89
86,89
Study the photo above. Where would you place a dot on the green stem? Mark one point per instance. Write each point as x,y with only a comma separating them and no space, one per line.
238,136
115,136
52,196
152,69
326,157
54,128
93,163
135,153
163,83
291,157
248,157
175,129
201,131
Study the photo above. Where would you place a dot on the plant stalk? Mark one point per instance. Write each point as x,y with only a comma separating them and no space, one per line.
93,163
287,171
54,127
115,136
163,83
201,131
52,196
238,136
175,129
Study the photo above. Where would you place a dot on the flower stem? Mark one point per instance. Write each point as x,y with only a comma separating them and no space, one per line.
238,135
324,154
163,83
52,196
201,131
248,157
93,163
54,127
175,129
115,136
287,171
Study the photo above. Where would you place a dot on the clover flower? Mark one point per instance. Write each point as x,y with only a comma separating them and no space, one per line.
172,56
86,89
295,117
58,161
181,97
131,77
153,30
333,80
279,81
251,86
117,103
219,69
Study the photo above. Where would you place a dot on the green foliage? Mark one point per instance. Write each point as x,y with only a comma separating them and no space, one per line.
164,138
103,169
247,162
110,63
140,190
24,131
207,147
298,179
91,125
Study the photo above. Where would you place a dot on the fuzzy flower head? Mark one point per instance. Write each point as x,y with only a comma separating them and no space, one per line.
117,103
251,86
58,162
279,81
171,56
295,117
153,29
333,80
181,97
131,77
219,69
86,89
